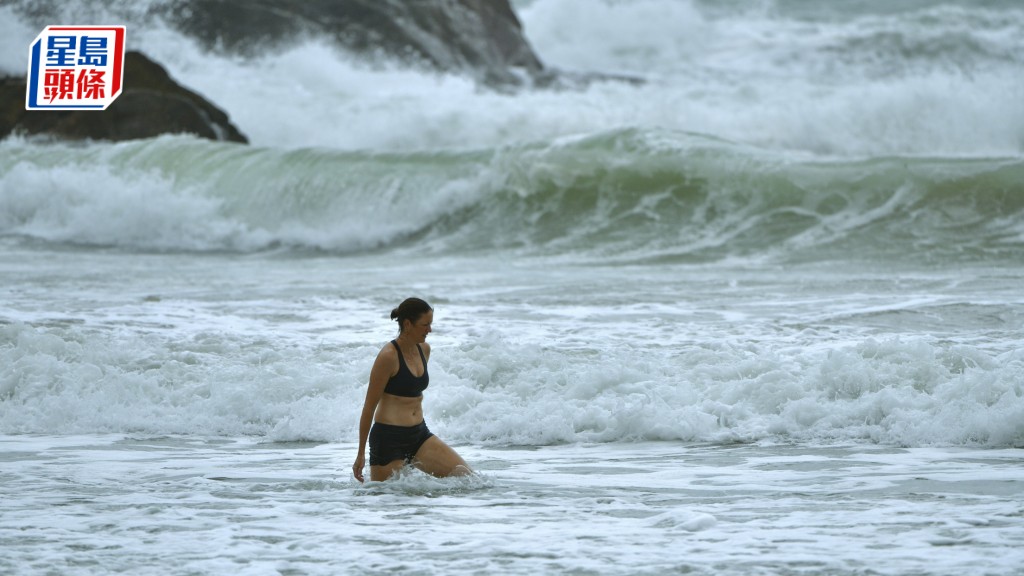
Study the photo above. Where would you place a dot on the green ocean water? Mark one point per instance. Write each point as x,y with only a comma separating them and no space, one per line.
618,197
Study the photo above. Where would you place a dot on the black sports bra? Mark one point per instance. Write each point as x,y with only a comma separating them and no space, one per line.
404,383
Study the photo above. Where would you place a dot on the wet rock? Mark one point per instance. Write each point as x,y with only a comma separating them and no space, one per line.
151,103
483,38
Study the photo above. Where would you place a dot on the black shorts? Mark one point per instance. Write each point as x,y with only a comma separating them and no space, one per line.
389,443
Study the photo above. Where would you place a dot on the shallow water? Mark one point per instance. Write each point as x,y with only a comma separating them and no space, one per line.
178,505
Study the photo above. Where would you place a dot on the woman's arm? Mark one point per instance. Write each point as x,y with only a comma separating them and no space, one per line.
385,366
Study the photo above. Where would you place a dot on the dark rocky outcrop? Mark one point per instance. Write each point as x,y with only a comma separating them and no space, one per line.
482,38
151,103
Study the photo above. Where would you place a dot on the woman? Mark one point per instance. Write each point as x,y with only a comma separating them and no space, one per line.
394,402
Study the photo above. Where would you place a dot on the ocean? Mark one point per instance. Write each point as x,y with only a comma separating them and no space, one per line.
759,314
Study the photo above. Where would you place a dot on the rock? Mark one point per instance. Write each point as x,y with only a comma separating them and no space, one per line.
483,38
479,38
151,103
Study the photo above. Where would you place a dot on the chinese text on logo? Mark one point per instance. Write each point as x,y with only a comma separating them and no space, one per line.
75,68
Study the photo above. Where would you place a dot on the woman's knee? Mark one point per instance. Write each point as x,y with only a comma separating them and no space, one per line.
461,470
438,459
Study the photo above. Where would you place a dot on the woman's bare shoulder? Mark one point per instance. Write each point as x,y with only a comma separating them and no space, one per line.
387,355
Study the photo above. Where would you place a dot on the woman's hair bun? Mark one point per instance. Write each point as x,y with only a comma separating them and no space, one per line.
410,309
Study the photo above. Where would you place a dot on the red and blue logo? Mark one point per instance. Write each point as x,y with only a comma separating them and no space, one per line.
75,68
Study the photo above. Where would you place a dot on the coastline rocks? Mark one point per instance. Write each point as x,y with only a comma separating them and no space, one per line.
151,103
482,38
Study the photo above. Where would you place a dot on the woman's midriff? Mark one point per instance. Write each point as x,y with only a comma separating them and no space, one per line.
399,410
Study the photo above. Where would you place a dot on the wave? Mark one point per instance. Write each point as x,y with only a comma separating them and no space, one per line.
872,39
867,79
621,196
73,380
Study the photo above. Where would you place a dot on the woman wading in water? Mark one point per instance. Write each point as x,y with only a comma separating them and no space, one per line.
394,404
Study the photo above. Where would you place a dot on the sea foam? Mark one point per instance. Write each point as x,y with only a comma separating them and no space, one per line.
931,81
894,391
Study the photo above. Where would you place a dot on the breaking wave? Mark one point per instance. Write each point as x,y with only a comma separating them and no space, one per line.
619,196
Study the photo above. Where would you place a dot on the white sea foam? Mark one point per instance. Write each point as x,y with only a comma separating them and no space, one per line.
93,205
15,39
931,81
894,391
335,102
759,74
